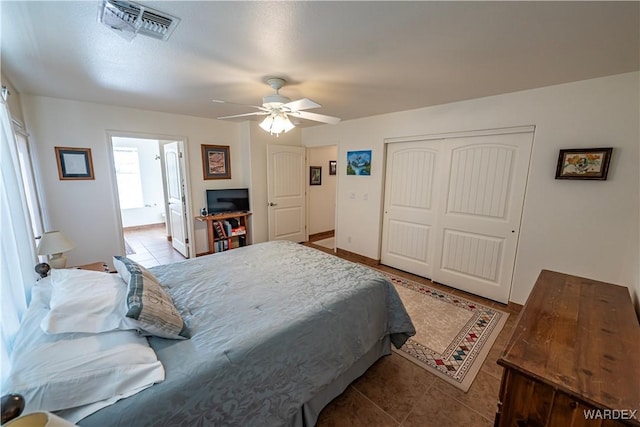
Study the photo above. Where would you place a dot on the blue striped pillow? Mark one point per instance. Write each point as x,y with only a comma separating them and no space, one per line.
148,303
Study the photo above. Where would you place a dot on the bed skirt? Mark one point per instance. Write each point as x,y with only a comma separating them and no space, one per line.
308,414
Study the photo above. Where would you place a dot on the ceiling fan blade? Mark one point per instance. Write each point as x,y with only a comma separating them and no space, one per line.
301,104
255,113
219,101
315,117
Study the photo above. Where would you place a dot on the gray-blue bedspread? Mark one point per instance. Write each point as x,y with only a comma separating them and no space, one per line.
272,325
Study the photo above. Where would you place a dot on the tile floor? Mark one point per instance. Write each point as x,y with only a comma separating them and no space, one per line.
396,392
151,245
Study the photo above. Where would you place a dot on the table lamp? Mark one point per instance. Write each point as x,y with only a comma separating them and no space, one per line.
39,419
53,243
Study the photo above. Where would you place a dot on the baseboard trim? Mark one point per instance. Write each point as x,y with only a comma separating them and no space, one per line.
321,236
144,227
357,257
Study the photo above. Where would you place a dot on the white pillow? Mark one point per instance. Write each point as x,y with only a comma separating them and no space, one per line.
85,301
57,372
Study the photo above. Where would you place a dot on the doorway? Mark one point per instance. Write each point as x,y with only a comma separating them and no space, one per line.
149,185
321,197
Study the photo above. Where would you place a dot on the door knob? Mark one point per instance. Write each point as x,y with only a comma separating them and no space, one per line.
273,204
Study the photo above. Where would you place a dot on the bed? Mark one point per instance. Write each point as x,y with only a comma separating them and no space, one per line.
277,330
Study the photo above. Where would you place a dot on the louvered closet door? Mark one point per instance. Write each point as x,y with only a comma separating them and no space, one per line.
412,177
453,208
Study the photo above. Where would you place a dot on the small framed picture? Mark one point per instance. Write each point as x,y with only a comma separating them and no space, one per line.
216,162
359,162
584,163
315,175
333,166
74,163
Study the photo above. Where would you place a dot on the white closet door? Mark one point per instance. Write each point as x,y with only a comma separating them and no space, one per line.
453,208
412,175
480,212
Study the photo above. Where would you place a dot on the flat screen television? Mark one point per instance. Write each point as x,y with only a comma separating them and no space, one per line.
228,200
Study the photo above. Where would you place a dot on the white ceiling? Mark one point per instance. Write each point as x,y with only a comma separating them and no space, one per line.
357,59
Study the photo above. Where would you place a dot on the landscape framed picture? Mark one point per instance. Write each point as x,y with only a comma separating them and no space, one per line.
74,163
216,162
359,162
315,175
584,163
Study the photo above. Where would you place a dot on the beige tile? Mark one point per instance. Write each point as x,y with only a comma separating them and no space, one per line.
481,397
394,384
490,365
352,409
435,409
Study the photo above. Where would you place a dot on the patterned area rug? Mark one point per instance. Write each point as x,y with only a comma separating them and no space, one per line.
453,335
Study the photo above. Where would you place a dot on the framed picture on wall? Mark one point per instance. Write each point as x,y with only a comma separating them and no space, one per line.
359,162
584,163
74,163
333,166
315,175
216,162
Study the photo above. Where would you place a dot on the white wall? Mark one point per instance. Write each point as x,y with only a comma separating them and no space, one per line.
322,198
85,210
587,228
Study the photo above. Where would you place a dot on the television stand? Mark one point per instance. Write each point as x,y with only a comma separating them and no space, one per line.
239,237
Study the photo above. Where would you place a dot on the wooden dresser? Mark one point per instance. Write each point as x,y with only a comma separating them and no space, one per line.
574,354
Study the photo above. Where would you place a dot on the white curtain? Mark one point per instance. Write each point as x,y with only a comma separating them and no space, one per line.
18,256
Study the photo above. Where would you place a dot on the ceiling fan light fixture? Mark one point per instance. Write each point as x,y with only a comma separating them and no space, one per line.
275,124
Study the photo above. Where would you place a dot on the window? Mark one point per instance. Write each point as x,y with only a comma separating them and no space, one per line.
30,188
128,177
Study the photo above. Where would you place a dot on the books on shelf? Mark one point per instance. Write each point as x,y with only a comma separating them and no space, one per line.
217,227
227,233
239,231
223,233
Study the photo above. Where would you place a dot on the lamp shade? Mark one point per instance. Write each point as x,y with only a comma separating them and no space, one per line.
39,419
277,123
54,242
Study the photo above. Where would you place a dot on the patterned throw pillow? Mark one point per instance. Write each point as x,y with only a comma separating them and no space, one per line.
148,303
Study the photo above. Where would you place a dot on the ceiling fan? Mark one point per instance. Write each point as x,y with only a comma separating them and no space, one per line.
278,108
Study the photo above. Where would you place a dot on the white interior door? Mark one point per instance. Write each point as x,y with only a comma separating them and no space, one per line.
453,209
286,193
410,206
175,198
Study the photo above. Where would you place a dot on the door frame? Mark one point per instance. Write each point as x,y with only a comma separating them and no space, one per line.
187,190
462,134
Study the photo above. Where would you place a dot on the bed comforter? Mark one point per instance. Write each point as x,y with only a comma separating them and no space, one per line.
272,325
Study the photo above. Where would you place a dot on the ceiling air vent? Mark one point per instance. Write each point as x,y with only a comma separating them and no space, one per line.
129,18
